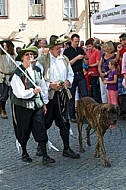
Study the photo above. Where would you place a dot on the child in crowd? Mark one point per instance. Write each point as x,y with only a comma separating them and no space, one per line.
112,84
87,77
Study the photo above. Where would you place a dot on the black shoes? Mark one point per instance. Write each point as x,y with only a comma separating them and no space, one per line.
70,153
47,160
26,158
73,120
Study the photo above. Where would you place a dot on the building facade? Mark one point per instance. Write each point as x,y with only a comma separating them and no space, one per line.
109,31
47,17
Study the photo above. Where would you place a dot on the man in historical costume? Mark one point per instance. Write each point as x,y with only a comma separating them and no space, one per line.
58,75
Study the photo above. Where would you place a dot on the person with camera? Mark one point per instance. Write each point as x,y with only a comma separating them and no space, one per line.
76,55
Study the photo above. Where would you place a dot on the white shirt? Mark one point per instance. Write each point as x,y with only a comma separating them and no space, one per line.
20,91
58,70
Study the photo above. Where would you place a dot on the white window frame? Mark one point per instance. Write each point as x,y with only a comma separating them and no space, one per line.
69,9
36,8
3,8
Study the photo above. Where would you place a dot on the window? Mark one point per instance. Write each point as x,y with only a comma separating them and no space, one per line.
70,8
36,8
3,8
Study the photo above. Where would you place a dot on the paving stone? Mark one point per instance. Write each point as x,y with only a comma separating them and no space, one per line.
86,173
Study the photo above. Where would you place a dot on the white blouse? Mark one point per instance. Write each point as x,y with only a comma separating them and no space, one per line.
20,91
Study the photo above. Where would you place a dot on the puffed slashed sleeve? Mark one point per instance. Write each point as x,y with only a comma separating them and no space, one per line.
19,90
44,91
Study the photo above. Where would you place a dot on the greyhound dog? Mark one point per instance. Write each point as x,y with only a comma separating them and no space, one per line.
99,117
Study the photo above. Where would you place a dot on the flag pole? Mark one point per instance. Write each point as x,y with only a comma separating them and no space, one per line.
18,66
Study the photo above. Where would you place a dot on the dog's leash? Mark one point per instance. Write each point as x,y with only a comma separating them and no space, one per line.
84,137
116,133
64,119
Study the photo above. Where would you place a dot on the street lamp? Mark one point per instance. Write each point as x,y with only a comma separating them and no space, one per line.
22,26
93,7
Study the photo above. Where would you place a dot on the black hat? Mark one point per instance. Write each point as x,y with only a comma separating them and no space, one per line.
55,40
8,42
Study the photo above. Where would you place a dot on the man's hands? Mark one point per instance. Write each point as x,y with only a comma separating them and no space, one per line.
55,85
44,109
80,57
119,47
58,85
66,84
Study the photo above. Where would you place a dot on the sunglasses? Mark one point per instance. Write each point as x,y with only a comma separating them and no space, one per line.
27,54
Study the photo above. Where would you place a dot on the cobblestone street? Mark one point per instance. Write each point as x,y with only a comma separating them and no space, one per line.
86,173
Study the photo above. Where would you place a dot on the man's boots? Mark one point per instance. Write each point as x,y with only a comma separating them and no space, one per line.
3,114
39,150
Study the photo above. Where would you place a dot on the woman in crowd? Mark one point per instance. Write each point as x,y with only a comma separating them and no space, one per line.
103,68
29,101
6,68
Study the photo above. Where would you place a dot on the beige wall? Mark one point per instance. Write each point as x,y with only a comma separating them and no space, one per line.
52,24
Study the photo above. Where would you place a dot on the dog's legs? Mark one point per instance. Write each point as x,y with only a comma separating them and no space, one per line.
100,144
88,135
80,124
97,152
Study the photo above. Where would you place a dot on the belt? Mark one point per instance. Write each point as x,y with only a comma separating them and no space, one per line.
5,73
78,72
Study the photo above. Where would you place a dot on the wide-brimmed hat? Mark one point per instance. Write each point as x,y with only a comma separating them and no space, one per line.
33,49
7,41
55,40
